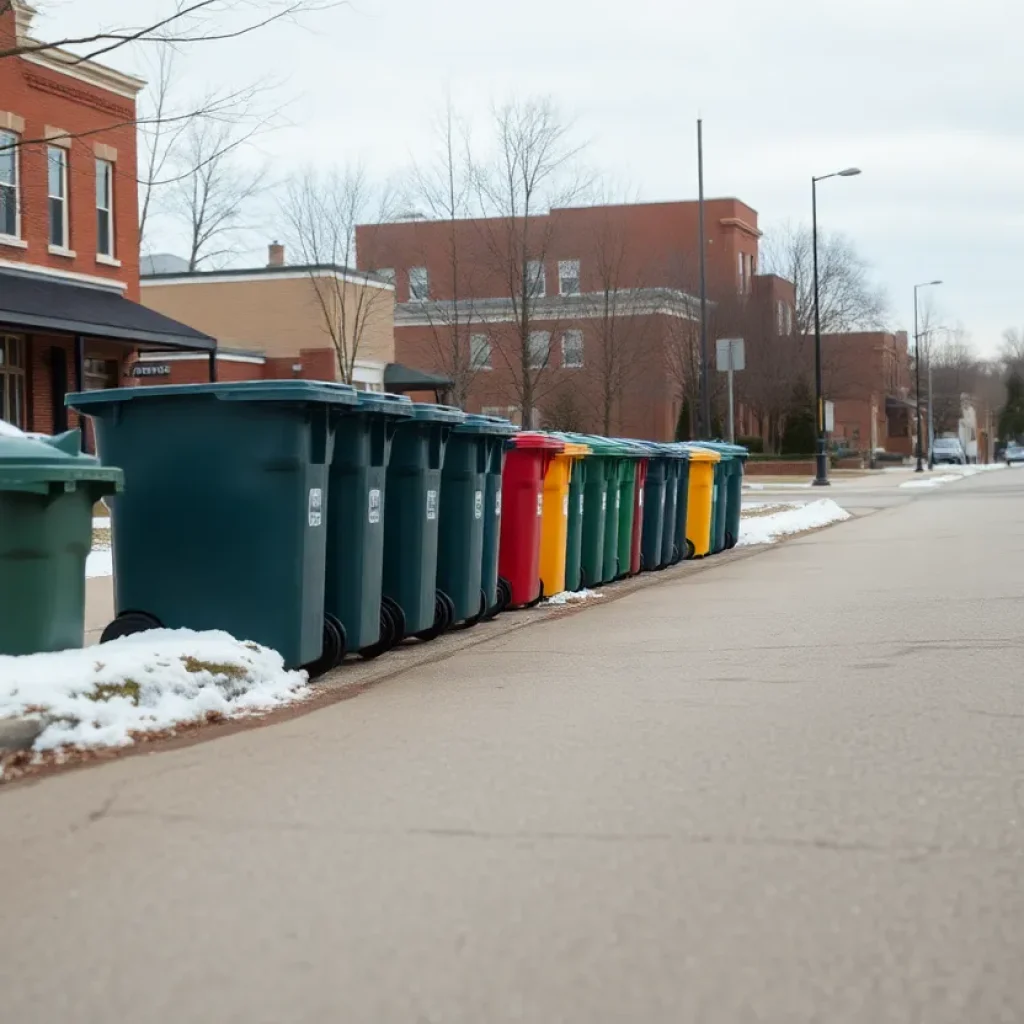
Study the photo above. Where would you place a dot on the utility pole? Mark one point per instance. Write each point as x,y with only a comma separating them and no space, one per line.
704,428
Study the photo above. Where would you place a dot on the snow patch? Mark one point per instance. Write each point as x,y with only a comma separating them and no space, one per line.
99,563
101,522
573,597
796,519
148,682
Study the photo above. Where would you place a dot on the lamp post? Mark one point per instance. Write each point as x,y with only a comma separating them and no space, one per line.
821,459
917,372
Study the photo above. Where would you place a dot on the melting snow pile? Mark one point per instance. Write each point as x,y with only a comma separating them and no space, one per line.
796,519
573,597
149,682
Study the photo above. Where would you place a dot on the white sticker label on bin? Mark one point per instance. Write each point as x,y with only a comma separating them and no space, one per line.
374,515
581,504
316,501
478,505
640,498
497,504
540,504
431,504
618,500
604,502
565,505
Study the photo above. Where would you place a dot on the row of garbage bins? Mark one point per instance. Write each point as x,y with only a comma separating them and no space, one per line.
320,520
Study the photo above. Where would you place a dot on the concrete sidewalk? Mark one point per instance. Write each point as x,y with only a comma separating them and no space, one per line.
786,790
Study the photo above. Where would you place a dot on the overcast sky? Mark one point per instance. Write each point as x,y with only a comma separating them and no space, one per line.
924,95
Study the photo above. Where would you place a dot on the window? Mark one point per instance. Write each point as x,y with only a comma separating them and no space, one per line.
535,284
387,274
479,352
12,379
57,180
568,277
743,273
540,349
572,350
419,284
789,319
104,208
780,316
9,184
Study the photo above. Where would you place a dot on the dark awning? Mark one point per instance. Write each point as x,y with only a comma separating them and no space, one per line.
404,378
34,302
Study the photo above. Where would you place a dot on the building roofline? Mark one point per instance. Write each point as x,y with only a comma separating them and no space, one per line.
656,202
287,272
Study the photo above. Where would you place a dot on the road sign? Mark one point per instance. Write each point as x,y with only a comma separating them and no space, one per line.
731,355
830,417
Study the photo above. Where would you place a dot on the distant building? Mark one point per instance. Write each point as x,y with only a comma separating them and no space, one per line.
613,297
162,263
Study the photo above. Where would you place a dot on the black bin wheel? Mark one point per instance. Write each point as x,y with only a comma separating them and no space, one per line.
397,617
128,624
540,595
333,649
444,612
387,635
474,619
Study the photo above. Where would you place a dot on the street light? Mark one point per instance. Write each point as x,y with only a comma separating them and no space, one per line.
821,470
917,371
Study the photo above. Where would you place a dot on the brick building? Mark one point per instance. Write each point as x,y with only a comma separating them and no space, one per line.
612,315
69,244
867,377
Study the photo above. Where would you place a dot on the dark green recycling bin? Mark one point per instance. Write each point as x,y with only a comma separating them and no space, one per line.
660,480
674,541
47,491
464,513
411,521
574,538
222,524
355,521
734,459
495,591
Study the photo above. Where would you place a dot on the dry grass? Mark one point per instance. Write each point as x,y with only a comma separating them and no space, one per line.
762,510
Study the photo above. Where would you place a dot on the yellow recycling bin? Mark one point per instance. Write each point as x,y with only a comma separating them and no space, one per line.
700,500
555,518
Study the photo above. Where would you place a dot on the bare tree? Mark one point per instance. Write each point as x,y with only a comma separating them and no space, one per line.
214,194
445,188
179,22
1012,350
619,309
955,371
323,211
849,300
179,135
531,171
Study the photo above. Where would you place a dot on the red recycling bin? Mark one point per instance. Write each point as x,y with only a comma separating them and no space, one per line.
638,517
522,501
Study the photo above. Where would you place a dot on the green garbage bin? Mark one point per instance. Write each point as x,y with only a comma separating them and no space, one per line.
734,460
411,521
464,514
222,524
363,435
632,473
47,492
659,506
599,540
674,545
495,590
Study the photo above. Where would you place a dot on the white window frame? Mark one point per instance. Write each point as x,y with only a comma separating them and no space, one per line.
108,209
536,279
13,379
743,273
480,344
577,337
789,318
780,316
65,244
568,270
539,337
9,138
414,272
387,274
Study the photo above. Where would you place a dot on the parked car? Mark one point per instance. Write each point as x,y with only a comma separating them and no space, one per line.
948,451
1014,453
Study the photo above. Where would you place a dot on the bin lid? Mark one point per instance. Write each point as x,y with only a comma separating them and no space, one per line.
699,454
236,391
492,425
573,445
536,439
725,449
30,463
437,413
383,403
602,447
637,448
